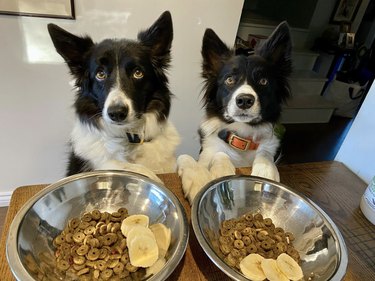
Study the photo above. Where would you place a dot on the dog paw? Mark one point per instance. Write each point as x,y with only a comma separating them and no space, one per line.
140,169
193,176
221,166
185,162
262,167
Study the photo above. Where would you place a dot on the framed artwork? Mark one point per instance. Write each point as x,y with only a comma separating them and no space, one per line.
350,40
345,11
63,9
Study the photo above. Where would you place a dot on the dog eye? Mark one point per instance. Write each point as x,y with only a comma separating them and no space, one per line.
137,74
229,81
101,75
263,81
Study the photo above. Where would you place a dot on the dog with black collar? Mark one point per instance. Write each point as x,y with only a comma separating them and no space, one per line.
122,102
242,97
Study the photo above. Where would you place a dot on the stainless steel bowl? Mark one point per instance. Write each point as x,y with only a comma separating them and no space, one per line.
47,213
320,244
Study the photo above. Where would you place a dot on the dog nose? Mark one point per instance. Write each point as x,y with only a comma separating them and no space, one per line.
245,101
117,112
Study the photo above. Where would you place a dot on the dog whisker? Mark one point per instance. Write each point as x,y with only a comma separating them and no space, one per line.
96,115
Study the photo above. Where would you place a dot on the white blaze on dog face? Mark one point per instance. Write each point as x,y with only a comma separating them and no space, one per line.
243,105
118,108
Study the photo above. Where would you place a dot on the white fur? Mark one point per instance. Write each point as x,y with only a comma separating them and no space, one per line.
116,96
193,175
107,147
219,159
240,115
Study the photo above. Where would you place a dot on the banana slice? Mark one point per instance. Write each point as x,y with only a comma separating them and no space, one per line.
133,220
143,251
251,267
138,231
163,236
156,267
272,270
289,267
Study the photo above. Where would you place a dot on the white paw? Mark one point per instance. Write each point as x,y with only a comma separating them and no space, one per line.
140,169
193,176
262,167
221,166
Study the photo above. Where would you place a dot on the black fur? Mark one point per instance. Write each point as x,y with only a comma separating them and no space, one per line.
150,54
271,60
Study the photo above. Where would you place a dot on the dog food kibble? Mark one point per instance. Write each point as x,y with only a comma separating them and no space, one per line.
95,247
251,238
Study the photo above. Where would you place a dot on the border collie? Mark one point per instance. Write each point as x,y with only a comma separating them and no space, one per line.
242,99
122,102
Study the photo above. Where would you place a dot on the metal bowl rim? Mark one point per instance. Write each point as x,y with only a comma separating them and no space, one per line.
15,262
343,254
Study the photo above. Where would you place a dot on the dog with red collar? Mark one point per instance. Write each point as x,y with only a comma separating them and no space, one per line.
242,97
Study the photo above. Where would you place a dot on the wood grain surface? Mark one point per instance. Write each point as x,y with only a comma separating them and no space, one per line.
331,185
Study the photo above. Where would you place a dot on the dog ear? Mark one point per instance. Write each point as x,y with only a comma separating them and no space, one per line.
72,48
159,38
214,53
278,47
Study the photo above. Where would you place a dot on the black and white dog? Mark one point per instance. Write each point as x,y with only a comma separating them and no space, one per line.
122,102
242,98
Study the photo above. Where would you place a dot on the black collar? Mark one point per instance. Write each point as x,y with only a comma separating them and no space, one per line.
135,138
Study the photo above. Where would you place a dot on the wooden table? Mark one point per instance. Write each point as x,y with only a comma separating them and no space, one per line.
331,185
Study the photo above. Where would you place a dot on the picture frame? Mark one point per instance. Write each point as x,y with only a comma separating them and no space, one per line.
350,40
63,9
346,40
345,11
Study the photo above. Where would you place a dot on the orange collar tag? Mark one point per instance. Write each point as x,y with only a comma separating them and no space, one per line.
241,143
237,142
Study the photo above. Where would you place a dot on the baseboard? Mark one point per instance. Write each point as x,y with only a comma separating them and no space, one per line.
5,198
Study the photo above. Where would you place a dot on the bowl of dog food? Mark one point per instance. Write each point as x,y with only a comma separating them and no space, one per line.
102,225
256,229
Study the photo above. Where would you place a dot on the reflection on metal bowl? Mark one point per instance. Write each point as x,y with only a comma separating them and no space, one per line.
318,240
30,250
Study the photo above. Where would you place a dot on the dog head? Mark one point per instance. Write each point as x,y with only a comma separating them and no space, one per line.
247,89
118,80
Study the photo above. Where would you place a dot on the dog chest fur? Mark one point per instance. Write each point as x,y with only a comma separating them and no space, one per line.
100,147
263,134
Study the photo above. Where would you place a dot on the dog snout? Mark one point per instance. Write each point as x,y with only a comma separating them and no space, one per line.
245,101
118,112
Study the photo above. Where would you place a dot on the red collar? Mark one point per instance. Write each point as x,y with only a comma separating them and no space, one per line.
237,142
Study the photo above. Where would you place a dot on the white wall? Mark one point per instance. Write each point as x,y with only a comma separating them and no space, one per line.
35,96
358,149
